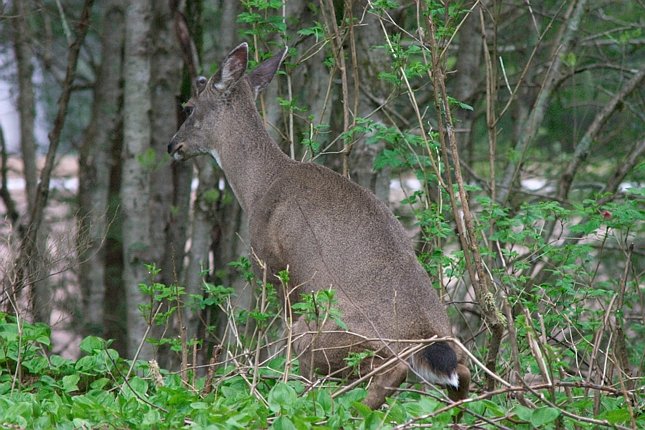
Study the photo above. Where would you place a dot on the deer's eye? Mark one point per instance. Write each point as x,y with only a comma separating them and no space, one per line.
188,110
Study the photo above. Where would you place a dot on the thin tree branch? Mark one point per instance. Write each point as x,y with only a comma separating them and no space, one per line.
583,147
623,168
480,279
329,15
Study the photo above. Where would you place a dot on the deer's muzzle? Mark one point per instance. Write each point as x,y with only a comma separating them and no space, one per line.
176,150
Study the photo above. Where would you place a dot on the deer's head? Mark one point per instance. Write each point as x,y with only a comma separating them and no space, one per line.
214,112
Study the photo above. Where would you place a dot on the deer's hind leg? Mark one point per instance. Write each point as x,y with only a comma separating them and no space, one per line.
324,351
385,384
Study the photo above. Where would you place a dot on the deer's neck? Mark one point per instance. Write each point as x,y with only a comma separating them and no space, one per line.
249,158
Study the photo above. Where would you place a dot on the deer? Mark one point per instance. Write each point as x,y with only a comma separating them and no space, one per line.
330,234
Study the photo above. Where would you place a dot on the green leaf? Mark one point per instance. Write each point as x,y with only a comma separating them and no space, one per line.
542,416
494,408
324,400
99,384
460,104
283,423
523,412
135,385
362,409
373,421
9,332
281,397
199,405
70,382
152,418
92,343
586,227
317,31
618,416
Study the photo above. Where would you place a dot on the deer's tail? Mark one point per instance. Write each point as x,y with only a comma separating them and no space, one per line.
437,363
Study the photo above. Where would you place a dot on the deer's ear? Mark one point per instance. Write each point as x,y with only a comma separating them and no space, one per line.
233,67
262,75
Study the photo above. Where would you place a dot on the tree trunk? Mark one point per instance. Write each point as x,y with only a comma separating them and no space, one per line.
31,267
165,78
5,195
26,103
364,79
95,164
37,289
217,218
137,161
115,305
204,224
468,79
309,83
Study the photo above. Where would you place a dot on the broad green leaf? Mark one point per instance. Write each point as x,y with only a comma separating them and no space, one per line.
523,412
281,397
542,416
618,416
91,343
70,382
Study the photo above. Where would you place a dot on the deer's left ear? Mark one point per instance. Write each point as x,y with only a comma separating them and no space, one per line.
233,67
262,75
200,84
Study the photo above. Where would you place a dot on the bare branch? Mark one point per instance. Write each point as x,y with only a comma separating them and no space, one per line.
582,148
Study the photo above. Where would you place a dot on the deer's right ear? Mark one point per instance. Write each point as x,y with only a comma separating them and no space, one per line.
233,67
261,76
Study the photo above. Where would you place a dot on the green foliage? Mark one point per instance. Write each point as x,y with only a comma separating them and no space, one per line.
319,307
259,20
40,390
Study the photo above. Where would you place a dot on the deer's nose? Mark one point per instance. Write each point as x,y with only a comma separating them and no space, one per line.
174,147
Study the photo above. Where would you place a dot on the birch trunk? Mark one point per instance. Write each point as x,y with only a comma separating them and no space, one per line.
135,182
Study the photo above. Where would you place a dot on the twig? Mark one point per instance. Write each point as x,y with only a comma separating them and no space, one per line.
142,341
583,147
515,388
329,15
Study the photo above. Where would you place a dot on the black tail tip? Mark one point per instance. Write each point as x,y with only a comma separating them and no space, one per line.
441,358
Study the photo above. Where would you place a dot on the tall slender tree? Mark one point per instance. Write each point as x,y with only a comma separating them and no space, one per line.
137,160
